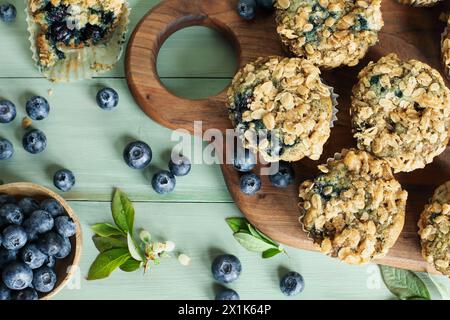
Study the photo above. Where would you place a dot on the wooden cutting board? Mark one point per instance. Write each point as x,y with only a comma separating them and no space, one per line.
409,32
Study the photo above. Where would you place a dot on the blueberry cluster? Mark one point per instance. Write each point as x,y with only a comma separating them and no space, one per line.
33,237
247,8
8,12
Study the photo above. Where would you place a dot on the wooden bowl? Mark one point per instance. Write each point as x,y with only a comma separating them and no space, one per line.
66,267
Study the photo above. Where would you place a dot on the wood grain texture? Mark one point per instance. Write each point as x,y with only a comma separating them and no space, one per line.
409,32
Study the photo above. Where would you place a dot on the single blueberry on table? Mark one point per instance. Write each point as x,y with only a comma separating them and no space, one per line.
8,12
50,243
250,184
65,226
244,160
44,279
28,205
137,155
8,111
226,268
17,276
64,180
53,207
26,294
163,182
292,284
5,292
11,213
14,237
66,248
228,295
37,108
181,166
6,149
7,256
32,256
39,222
284,177
266,4
6,198
247,9
107,98
34,141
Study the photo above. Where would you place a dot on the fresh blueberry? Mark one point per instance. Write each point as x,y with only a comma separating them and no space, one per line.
44,279
37,108
137,155
14,237
34,141
53,207
26,294
284,177
5,292
17,276
50,262
32,256
181,166
65,226
64,180
244,160
292,284
163,182
7,111
247,9
107,98
66,248
8,12
6,149
6,198
250,183
7,256
226,268
227,295
39,222
28,206
11,213
266,4
1,240
50,243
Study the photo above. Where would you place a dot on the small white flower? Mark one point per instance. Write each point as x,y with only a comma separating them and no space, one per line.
145,236
170,246
158,247
184,260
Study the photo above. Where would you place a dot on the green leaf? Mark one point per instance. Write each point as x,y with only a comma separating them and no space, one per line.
267,239
271,253
123,211
104,244
253,231
251,243
106,230
134,250
131,265
107,262
404,284
443,291
237,224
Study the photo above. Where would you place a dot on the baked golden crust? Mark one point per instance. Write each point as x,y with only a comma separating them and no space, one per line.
354,210
434,230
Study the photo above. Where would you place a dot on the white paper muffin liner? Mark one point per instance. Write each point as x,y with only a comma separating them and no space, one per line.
82,63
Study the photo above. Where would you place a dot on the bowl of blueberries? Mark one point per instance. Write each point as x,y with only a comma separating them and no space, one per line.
40,242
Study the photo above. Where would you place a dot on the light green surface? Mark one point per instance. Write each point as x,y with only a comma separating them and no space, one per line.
90,141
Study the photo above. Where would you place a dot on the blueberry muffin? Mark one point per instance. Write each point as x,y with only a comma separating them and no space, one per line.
67,25
401,112
434,230
330,33
420,3
355,209
281,108
445,47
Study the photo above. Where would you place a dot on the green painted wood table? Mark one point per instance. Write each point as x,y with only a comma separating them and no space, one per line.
90,141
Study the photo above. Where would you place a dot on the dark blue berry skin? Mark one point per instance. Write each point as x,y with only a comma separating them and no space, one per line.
65,226
11,214
17,276
6,149
50,243
266,4
227,295
284,177
163,182
292,284
66,248
55,14
26,294
32,256
34,141
180,167
6,198
7,256
244,160
14,237
8,111
50,262
64,180
137,155
44,279
8,12
226,268
28,206
60,32
250,184
107,98
5,292
39,222
53,207
247,9
37,108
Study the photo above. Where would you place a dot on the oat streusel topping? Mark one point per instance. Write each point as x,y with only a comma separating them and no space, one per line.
354,210
401,112
445,47
434,230
284,103
330,33
420,3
